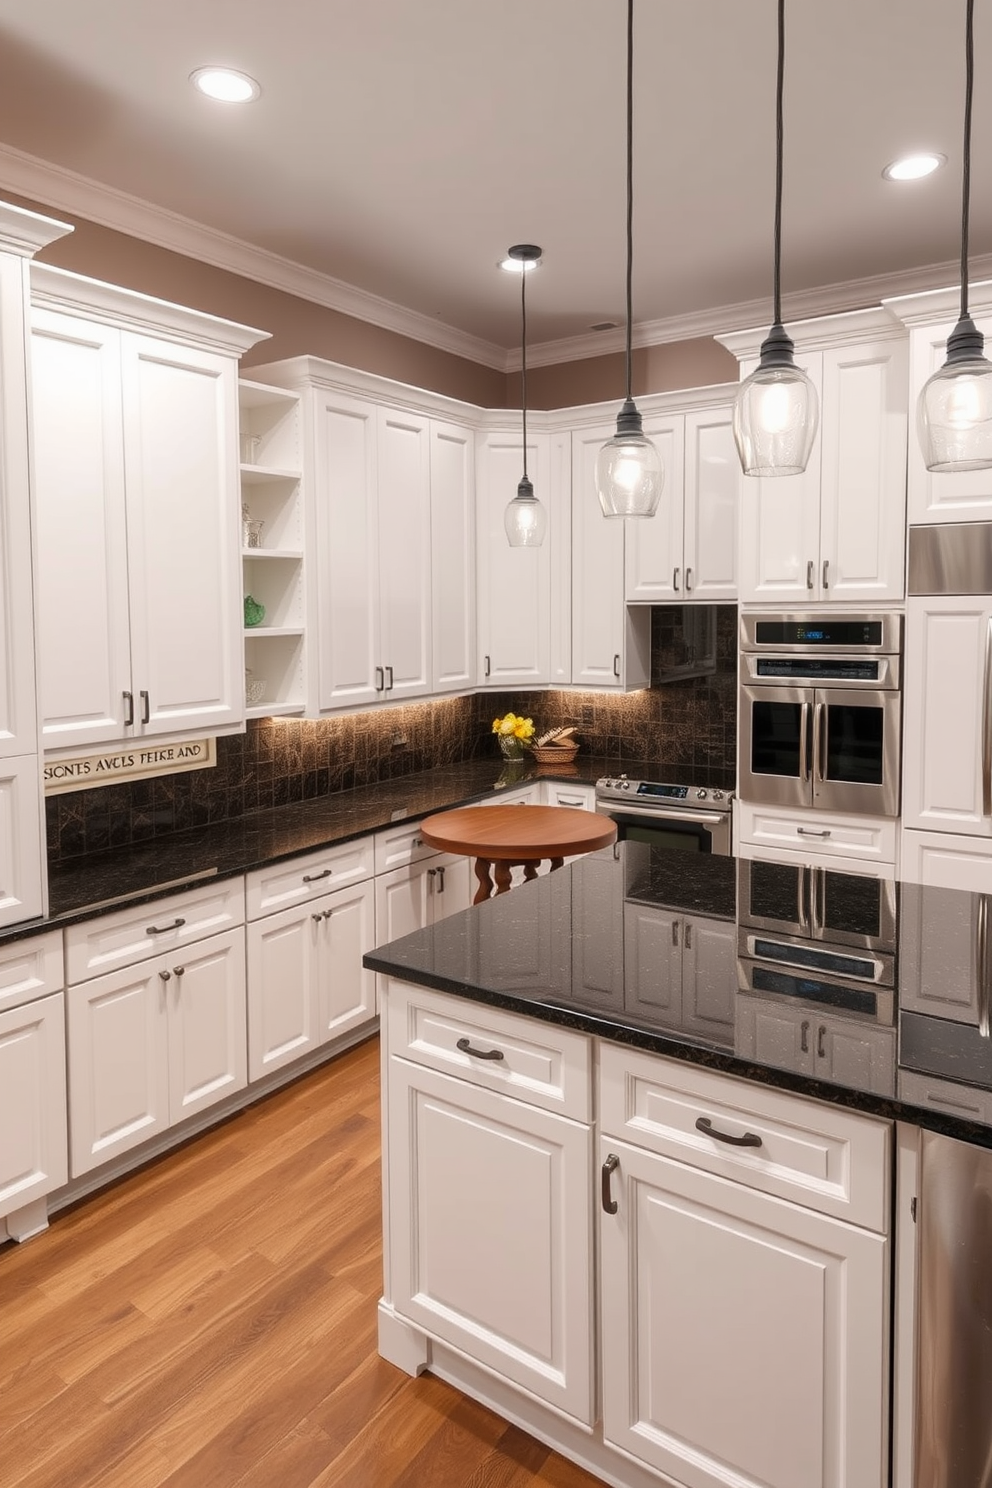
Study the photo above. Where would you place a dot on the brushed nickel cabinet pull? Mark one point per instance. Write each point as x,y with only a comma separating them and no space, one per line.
440,880
129,704
146,707
688,580
675,580
826,567
810,570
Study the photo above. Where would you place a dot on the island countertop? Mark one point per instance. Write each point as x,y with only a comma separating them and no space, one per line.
663,951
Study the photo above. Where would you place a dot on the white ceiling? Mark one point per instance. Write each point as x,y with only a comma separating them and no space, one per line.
400,146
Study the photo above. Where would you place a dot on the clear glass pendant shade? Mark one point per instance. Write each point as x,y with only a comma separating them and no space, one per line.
954,411
525,519
629,474
775,420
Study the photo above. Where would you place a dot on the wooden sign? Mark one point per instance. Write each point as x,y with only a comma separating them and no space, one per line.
133,762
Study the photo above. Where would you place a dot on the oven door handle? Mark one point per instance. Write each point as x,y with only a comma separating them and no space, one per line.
804,742
819,743
801,899
987,726
660,813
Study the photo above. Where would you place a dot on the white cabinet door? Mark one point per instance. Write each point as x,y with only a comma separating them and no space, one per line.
514,584
653,558
709,977
964,496
118,1056
33,1150
451,888
946,861
863,472
597,572
345,990
774,1033
712,499
652,962
744,1338
208,1037
347,538
22,825
780,522
84,648
939,952
491,1231
180,409
18,710
283,952
404,549
401,901
453,644
947,649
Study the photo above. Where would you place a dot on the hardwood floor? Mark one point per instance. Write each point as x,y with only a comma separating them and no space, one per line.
210,1323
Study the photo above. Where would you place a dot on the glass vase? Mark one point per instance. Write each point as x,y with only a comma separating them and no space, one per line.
511,747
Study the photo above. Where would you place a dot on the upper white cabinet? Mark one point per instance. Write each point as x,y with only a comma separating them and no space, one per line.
837,531
453,649
688,550
135,418
964,496
611,645
271,438
523,592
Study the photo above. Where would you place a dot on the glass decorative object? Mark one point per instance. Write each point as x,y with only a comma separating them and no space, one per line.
254,612
511,747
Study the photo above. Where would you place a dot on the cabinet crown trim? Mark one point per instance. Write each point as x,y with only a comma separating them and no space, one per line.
872,324
25,232
940,304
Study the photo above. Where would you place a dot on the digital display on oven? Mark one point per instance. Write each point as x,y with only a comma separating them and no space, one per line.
829,632
663,792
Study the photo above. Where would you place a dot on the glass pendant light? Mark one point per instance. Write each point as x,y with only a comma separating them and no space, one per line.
776,410
629,472
954,412
525,519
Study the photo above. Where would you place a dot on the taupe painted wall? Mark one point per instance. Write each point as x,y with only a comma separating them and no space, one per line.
299,327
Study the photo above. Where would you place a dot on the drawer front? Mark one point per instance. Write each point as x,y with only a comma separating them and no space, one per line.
933,1094
30,969
304,878
130,935
397,846
581,797
811,1153
539,1063
815,832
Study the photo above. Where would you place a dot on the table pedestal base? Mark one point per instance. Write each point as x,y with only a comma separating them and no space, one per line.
504,868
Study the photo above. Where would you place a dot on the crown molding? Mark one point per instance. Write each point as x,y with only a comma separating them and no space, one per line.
68,191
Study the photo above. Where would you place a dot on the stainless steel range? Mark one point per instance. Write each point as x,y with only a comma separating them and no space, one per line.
672,814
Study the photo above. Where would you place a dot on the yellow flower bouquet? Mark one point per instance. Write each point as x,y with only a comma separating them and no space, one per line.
514,734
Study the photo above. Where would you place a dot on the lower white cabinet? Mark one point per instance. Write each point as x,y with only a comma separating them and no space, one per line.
680,969
33,1150
411,898
153,1043
811,1042
306,982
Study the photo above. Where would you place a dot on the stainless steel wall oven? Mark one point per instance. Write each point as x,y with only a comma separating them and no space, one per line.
821,711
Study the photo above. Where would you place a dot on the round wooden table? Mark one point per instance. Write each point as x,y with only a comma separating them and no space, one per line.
513,836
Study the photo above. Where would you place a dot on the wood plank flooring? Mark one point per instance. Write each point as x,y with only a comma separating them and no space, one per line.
210,1322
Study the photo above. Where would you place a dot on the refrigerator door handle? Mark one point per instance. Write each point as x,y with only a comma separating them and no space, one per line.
987,726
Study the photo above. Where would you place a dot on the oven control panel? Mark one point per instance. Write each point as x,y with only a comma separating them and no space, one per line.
649,792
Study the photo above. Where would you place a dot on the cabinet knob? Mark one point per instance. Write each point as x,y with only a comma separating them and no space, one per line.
179,970
166,976
317,917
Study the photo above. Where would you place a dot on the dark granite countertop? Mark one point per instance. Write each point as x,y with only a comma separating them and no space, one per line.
102,881
591,948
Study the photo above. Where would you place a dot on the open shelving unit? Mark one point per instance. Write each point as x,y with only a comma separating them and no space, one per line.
270,435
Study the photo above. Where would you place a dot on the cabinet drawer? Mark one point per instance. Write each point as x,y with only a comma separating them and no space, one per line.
129,935
933,1094
580,797
303,878
30,968
399,845
540,1064
870,838
811,1153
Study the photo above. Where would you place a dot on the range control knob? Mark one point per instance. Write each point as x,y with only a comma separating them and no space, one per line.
625,784
700,795
718,795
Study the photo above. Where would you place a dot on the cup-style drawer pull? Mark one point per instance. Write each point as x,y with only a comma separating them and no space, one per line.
610,1166
705,1125
466,1048
316,877
164,929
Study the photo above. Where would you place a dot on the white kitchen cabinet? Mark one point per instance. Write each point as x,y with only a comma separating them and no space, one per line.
680,969
809,1041
946,861
33,1126
837,531
22,862
867,843
306,982
453,628
688,550
522,592
137,505
945,703
611,643
489,1214
273,548
578,795
412,897
152,1043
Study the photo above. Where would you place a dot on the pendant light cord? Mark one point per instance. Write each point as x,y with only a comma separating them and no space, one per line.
969,52
779,141
630,183
523,356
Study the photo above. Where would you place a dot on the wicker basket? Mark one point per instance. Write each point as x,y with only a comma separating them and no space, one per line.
555,754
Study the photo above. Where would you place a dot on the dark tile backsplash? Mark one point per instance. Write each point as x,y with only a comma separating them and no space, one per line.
688,723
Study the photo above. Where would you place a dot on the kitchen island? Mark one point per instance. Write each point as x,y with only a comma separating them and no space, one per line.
648,1163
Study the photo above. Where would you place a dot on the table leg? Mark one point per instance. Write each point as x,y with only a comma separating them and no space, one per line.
502,876
530,870
556,863
485,889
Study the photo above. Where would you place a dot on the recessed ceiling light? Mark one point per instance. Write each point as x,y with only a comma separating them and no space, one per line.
519,265
913,167
225,84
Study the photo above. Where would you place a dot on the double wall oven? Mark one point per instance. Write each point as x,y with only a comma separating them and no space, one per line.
820,711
